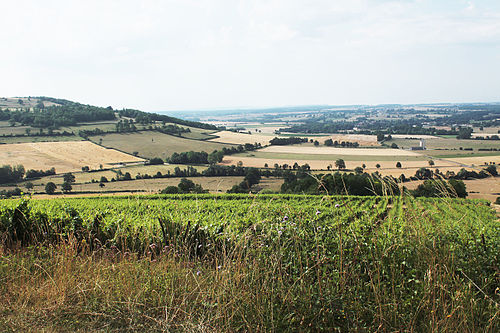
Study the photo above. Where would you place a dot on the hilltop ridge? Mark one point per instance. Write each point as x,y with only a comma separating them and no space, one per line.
49,112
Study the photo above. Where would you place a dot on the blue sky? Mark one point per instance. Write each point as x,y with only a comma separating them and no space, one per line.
202,54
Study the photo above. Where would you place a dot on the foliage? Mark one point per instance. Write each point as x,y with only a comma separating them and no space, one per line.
287,141
244,263
50,188
11,174
440,188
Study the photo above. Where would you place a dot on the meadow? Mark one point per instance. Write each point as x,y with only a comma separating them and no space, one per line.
154,144
249,263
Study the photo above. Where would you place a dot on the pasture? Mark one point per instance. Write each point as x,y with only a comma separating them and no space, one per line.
155,144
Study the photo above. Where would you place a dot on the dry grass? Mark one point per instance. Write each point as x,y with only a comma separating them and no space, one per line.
212,184
241,138
322,150
64,156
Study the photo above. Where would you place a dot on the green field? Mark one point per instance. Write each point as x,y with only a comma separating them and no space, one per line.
154,144
24,139
249,263
446,143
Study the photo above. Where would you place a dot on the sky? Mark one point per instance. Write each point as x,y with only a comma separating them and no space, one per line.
217,54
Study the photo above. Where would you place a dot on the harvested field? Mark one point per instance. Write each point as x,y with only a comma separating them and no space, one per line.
213,184
64,156
386,167
476,161
87,177
241,138
413,136
362,139
322,150
155,144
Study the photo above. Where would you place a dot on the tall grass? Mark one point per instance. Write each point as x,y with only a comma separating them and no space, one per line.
365,271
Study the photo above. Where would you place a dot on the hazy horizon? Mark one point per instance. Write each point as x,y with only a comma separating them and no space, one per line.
209,55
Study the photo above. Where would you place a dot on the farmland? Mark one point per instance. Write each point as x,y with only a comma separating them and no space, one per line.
228,263
64,156
154,144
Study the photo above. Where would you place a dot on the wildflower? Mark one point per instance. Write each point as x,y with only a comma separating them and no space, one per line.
219,267
337,205
152,246
318,212
285,218
280,232
198,273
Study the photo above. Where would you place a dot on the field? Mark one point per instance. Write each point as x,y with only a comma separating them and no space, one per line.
249,263
322,150
155,144
134,170
31,139
443,147
64,156
241,138
212,184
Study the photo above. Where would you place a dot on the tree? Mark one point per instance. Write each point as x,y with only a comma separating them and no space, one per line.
186,185
170,190
398,165
29,186
380,137
50,188
316,143
431,162
358,170
66,187
377,166
340,164
101,185
69,178
492,170
394,146
103,179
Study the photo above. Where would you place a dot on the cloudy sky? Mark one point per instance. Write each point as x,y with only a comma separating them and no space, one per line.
202,54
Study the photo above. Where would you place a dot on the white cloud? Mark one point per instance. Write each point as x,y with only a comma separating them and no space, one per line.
206,53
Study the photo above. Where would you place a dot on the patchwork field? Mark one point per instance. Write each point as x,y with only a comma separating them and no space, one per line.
64,156
154,144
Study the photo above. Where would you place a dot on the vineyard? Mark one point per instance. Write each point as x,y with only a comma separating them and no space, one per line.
256,263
